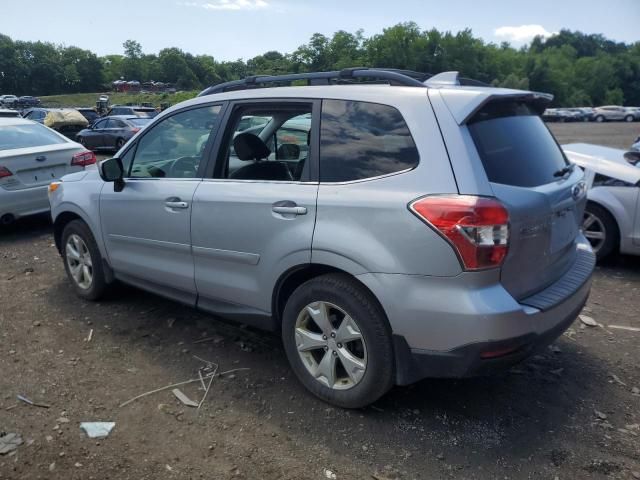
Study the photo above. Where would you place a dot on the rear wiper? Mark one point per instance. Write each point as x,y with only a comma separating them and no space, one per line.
563,171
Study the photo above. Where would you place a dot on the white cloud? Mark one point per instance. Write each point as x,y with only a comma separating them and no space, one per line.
522,34
228,4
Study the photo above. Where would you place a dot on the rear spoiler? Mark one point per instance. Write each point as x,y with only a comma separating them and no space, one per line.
465,102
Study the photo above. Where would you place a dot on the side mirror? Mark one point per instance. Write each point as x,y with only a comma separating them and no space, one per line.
632,157
111,170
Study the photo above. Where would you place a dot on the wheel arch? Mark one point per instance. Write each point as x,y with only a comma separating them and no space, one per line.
59,223
299,274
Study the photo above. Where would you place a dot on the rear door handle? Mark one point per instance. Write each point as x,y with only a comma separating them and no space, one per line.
41,158
176,204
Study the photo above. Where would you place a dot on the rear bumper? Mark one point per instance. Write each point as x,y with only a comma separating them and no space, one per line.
20,203
443,327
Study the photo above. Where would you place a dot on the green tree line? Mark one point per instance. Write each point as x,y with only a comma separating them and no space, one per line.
579,69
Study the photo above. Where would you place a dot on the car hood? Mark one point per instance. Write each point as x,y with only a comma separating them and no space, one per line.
603,160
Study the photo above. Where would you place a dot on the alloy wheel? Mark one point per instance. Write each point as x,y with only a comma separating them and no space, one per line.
330,345
595,231
79,261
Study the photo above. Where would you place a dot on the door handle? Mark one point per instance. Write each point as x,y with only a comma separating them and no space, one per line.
289,210
176,204
41,158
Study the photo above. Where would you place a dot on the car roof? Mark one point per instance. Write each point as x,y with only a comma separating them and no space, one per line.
462,101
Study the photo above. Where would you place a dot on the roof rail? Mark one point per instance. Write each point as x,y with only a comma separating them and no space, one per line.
393,76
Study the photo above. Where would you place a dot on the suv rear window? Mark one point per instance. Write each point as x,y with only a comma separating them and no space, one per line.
515,146
361,140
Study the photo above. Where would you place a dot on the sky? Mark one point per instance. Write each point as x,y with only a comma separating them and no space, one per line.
231,29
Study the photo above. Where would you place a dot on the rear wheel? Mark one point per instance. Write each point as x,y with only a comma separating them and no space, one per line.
601,230
338,342
120,143
629,118
83,261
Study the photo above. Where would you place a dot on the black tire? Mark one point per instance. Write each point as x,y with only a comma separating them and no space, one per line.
599,118
347,294
98,286
610,227
119,143
629,118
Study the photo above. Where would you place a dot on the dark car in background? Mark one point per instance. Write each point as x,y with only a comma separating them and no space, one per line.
111,133
132,110
27,101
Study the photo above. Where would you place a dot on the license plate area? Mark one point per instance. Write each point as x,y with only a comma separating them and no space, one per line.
39,176
564,228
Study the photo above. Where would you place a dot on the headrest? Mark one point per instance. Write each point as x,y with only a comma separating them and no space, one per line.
288,151
249,146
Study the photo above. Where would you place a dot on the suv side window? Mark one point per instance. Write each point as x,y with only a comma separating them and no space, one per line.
267,142
360,140
174,147
100,124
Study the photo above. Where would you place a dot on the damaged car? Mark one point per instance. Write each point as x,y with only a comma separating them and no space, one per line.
612,215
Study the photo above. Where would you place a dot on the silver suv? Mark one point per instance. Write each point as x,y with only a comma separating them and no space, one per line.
390,232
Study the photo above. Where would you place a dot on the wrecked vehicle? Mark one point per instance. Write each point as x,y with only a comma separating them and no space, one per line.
612,215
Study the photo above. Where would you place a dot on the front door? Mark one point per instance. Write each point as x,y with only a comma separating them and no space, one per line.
254,218
146,226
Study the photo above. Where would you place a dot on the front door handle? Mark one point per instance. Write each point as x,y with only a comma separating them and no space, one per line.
287,207
290,210
41,158
176,204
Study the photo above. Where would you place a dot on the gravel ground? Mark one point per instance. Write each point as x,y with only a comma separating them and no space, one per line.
571,412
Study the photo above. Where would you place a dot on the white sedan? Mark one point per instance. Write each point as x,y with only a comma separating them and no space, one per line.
31,157
612,217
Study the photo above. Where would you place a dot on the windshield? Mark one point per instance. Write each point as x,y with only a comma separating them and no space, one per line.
515,146
26,136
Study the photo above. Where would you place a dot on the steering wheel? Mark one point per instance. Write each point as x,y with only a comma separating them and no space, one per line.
184,167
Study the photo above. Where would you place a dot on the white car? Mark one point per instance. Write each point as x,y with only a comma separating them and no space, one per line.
612,216
31,157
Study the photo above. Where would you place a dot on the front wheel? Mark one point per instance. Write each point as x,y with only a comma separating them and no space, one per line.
83,261
629,118
120,143
599,119
338,342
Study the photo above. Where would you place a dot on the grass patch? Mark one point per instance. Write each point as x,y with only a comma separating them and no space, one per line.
90,99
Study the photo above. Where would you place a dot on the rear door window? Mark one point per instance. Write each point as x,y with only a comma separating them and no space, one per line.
515,146
360,140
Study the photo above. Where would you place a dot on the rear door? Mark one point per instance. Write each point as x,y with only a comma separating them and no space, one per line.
254,219
544,194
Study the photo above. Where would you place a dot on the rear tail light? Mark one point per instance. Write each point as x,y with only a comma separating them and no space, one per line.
5,172
476,227
83,159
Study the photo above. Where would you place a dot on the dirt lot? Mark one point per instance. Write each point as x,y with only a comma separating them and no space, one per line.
571,412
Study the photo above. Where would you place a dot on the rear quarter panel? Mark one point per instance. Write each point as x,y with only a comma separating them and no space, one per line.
366,226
